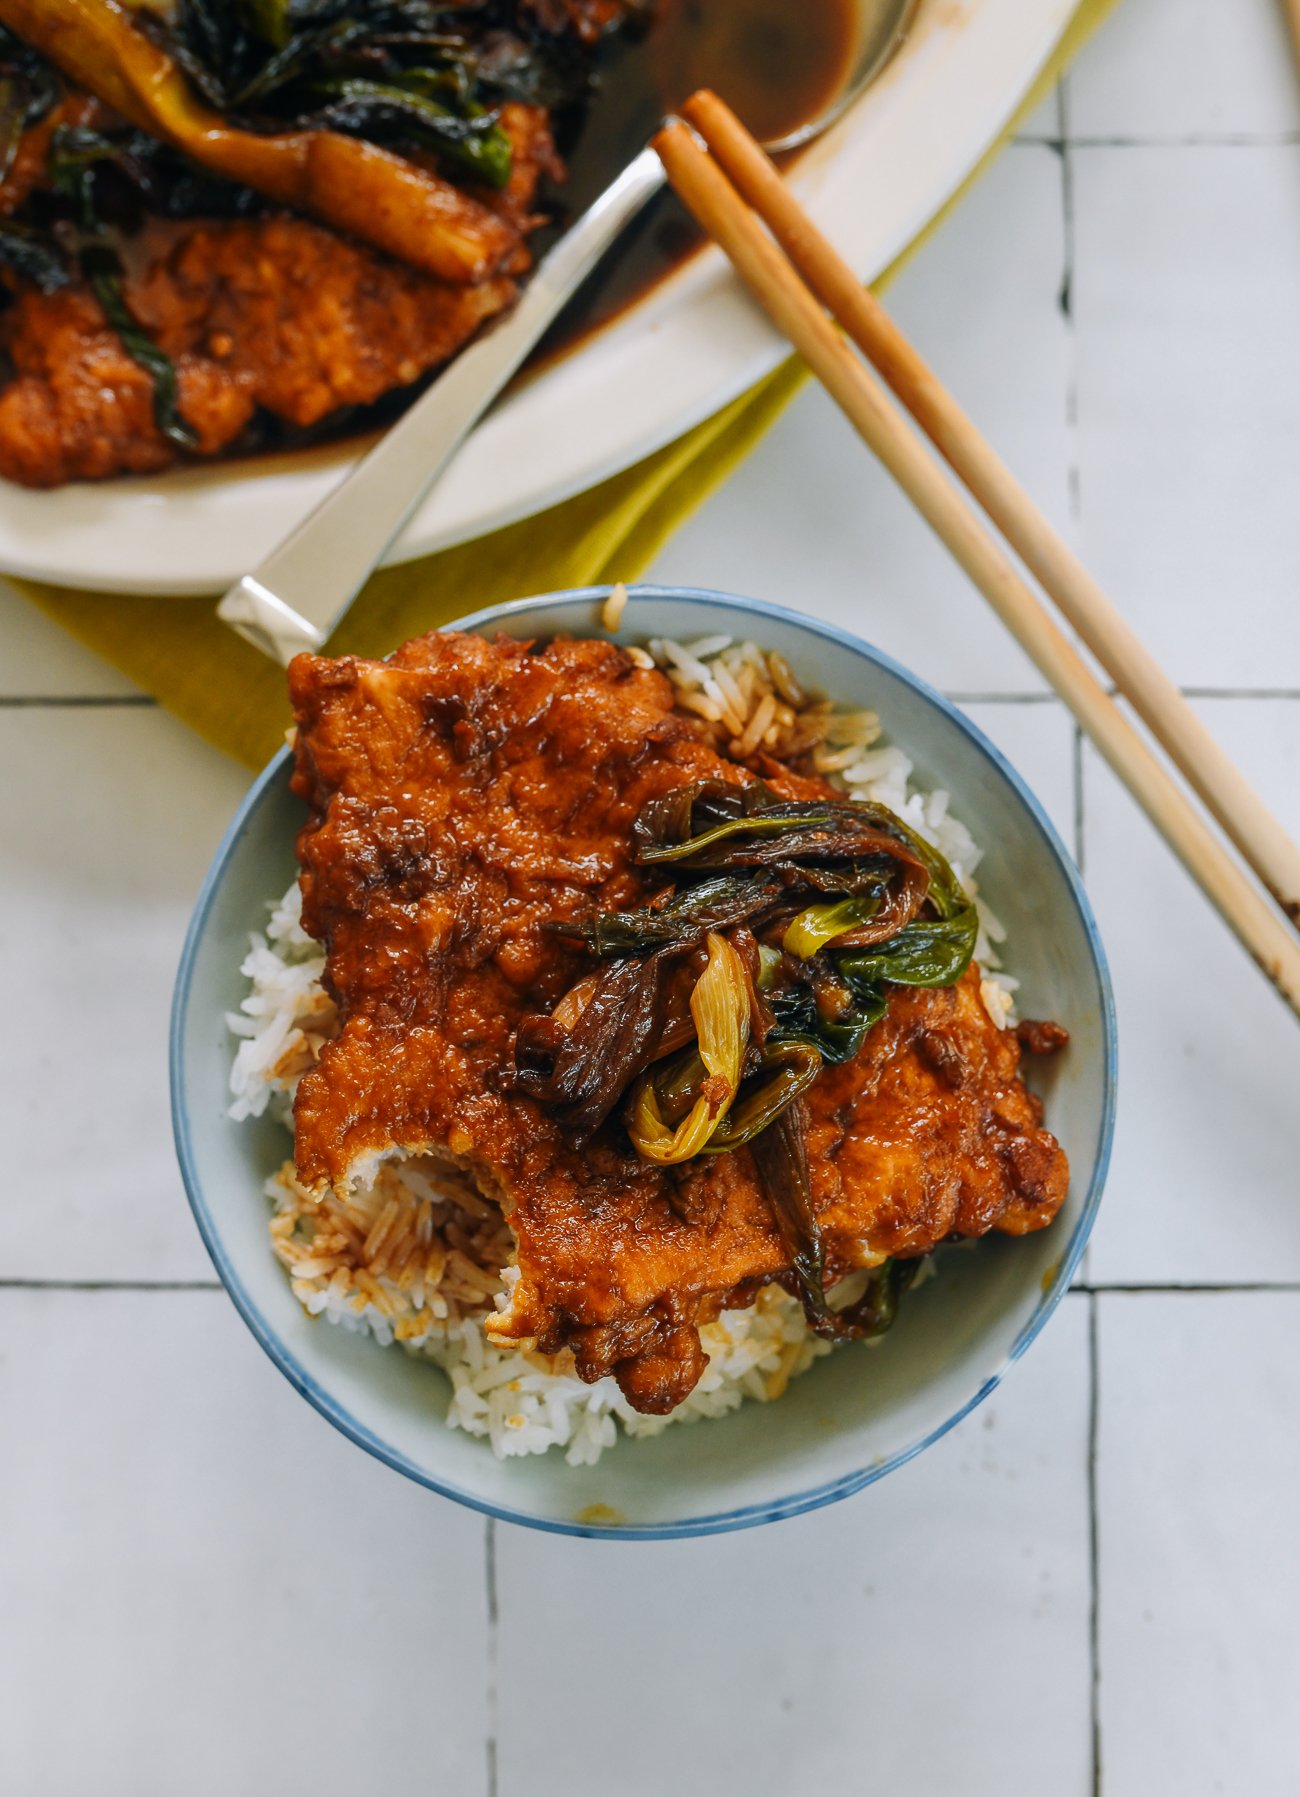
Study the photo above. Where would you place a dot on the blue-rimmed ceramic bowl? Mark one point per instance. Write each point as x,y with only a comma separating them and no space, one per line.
859,1413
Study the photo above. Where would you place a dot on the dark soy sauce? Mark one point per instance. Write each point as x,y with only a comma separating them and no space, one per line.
779,63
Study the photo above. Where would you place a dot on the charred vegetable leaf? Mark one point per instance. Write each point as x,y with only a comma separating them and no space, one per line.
684,919
383,111
838,847
74,157
781,1161
268,19
692,810
418,72
103,269
945,894
837,1026
876,1310
162,179
741,833
751,827
32,255
785,1074
811,1001
28,90
587,1067
692,817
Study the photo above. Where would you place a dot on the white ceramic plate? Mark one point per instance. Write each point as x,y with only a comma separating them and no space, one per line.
873,183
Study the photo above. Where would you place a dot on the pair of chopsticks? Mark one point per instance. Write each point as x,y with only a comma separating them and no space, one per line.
734,191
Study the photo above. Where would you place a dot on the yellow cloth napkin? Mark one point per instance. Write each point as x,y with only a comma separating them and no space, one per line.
177,650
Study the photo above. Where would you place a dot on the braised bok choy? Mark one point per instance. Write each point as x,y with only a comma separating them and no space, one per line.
768,955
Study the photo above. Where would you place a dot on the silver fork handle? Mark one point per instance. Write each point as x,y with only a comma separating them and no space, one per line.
295,598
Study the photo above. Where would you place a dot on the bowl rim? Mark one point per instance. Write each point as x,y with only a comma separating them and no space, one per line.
715,1522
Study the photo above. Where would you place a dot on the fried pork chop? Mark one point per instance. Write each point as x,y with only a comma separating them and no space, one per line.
463,797
274,314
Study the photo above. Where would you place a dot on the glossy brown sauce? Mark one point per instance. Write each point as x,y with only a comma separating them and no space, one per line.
779,63
464,797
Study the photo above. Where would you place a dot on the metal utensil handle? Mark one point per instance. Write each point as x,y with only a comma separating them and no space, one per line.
294,599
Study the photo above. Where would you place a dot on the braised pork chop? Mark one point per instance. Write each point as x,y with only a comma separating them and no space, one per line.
463,797
274,314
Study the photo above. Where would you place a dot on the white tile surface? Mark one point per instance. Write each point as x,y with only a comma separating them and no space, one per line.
178,1532
1204,1183
926,1636
109,820
1198,1468
37,659
1187,291
811,520
1163,69
207,1590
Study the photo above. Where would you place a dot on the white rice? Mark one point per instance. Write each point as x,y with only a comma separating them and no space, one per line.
412,1258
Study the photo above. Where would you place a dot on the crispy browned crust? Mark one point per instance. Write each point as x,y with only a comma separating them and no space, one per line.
273,314
462,797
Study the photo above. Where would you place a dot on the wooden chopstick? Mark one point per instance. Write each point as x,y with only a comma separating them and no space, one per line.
707,192
1292,10
1225,791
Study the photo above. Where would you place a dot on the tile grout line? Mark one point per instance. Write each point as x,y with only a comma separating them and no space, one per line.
1043,698
1080,847
1074,496
1241,692
1073,479
78,702
1069,256
110,1285
1205,140
1171,1289
1284,693
493,1641
1094,1560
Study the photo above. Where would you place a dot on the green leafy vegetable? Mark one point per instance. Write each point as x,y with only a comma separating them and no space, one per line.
32,255
29,89
103,269
928,952
386,110
587,1066
421,74
886,909
75,155
741,832
268,19
721,1013
834,1017
683,919
781,1161
785,1073
819,925
876,1310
